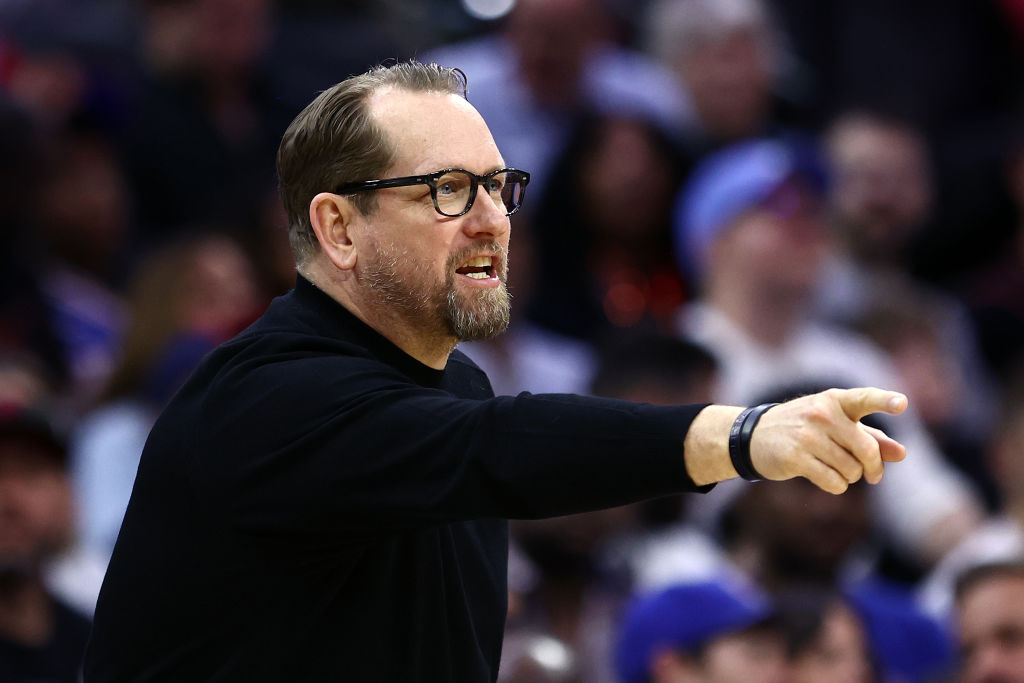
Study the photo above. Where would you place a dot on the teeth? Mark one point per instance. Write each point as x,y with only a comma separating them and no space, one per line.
478,276
479,262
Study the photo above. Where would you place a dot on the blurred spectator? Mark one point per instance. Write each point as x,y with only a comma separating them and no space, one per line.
204,129
603,231
185,300
553,59
729,58
1002,536
572,589
910,332
881,196
60,58
881,200
49,86
750,224
951,68
990,623
788,538
83,227
23,379
663,548
825,640
41,637
791,538
720,632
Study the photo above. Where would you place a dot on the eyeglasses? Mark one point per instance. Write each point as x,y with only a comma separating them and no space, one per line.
454,189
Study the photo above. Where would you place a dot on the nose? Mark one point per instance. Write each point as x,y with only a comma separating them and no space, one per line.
486,218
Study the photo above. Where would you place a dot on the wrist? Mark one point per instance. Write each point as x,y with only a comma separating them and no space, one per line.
706,446
739,440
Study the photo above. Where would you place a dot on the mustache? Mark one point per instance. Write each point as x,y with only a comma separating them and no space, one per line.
491,246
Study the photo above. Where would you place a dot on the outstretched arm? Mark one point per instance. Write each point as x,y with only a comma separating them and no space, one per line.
819,437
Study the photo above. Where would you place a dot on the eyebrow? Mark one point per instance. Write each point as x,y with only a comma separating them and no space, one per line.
435,169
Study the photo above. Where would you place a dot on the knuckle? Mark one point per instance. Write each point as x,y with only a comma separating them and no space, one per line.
805,437
852,473
817,412
867,449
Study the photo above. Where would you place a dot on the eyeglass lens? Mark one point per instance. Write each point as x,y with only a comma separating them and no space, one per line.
454,191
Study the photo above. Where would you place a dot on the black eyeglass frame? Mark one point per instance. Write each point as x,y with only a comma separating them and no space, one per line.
430,180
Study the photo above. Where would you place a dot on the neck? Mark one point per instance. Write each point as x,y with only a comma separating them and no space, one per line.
429,346
767,316
26,610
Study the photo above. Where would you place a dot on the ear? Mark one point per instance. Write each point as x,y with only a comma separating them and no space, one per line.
332,216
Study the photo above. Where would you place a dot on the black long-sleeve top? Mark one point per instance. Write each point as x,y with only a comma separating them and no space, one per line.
316,505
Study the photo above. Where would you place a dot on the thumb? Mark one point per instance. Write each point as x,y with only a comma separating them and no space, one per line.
857,403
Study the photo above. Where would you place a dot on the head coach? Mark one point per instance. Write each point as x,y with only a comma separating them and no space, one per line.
325,499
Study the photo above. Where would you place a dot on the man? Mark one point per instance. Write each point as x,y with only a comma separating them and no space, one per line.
990,628
709,632
323,499
41,637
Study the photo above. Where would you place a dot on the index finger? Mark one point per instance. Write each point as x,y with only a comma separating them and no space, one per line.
857,403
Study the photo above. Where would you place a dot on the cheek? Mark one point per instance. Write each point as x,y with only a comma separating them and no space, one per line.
753,244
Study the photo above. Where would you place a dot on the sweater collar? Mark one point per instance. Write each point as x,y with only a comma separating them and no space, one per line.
335,320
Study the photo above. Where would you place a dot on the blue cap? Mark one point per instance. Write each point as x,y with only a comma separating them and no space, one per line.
732,181
683,617
910,645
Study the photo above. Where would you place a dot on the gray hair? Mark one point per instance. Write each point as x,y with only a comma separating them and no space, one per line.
334,140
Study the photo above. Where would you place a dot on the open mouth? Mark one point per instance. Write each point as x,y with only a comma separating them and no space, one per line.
479,268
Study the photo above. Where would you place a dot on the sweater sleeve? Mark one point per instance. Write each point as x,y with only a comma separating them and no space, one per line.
286,448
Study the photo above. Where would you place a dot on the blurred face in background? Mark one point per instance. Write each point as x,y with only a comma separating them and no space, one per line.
221,295
627,182
804,534
991,630
85,204
35,504
231,35
881,192
777,247
211,39
729,79
553,39
838,654
756,654
752,655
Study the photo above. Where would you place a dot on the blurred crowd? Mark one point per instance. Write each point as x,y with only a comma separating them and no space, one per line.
731,201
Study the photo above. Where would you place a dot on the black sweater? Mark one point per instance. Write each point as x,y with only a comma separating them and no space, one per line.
316,505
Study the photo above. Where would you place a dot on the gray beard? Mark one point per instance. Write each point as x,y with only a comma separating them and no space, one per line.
481,315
